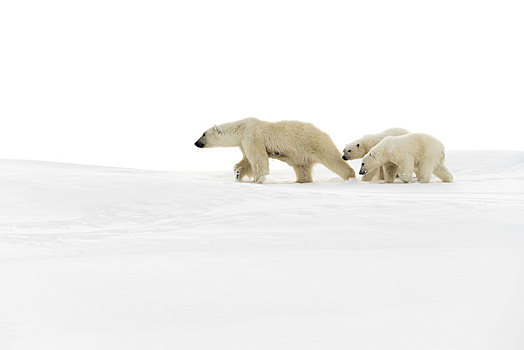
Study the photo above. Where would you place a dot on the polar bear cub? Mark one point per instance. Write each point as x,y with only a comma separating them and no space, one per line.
358,148
404,154
301,145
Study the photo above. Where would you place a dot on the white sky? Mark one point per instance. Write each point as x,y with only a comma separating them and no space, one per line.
135,83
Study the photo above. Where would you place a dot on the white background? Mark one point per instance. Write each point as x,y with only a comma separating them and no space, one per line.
135,83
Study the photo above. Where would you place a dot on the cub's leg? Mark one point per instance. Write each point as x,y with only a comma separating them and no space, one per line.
381,176
405,170
390,172
304,173
424,171
443,173
370,176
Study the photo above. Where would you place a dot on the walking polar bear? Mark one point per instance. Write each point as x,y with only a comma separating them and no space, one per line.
404,154
301,145
358,148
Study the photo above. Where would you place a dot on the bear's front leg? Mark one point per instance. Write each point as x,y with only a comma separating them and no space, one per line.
405,170
260,170
370,176
382,176
390,172
242,169
256,153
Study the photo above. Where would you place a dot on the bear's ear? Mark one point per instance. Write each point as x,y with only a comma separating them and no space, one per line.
218,130
358,144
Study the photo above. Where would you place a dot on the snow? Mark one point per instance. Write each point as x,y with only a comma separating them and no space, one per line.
112,258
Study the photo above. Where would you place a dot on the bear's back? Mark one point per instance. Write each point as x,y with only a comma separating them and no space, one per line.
418,143
394,132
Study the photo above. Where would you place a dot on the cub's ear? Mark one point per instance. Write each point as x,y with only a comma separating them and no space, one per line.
218,130
358,144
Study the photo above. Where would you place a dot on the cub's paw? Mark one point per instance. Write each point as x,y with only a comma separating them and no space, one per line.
405,178
259,180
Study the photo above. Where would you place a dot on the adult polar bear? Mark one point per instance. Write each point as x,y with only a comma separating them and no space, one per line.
402,154
301,145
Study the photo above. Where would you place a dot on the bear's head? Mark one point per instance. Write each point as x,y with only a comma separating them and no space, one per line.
217,136
369,163
354,150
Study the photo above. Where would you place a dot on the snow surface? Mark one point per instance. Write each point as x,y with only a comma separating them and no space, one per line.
110,258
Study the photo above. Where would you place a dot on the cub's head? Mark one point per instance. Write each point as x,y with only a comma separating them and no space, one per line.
370,162
217,136
353,150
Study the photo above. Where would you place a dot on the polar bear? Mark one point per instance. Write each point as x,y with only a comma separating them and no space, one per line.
298,144
402,154
358,148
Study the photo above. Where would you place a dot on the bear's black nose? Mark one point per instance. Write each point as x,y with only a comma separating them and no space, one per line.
362,172
344,157
199,144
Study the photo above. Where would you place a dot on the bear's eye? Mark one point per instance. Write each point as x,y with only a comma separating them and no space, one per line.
358,144
363,164
349,151
204,135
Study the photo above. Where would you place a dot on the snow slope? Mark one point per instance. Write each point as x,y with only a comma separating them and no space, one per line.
109,258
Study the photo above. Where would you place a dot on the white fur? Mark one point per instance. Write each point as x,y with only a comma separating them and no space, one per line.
301,145
358,148
404,154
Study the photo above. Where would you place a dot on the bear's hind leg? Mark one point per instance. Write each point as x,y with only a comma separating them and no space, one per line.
443,173
424,171
382,176
304,173
423,175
